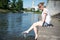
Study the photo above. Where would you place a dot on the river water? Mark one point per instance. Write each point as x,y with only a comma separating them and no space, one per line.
13,24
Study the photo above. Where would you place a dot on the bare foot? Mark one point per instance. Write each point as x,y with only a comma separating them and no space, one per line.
25,32
36,37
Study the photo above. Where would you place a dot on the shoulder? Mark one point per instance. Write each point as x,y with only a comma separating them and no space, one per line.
45,10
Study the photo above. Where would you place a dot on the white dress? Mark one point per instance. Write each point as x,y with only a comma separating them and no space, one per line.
48,17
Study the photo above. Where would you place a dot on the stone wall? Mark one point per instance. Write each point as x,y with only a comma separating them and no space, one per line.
53,6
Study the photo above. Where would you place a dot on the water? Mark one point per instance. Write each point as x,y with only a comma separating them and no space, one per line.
13,24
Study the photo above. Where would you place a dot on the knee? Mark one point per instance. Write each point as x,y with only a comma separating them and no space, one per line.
34,24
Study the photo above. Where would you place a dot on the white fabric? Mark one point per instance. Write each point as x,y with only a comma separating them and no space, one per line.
48,17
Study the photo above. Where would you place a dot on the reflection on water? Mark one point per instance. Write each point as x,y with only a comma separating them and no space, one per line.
12,24
3,25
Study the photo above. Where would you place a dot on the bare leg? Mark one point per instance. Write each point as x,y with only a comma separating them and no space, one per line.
34,28
36,33
30,28
27,31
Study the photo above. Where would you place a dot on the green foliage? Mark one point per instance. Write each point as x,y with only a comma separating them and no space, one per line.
4,4
18,6
14,5
0,4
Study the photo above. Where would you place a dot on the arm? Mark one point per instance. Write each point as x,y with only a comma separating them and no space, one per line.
44,17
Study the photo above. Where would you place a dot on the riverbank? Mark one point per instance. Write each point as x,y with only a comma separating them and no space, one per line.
4,10
14,11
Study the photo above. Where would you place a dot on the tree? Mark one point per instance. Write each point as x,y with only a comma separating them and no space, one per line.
0,3
20,5
13,4
4,4
17,5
